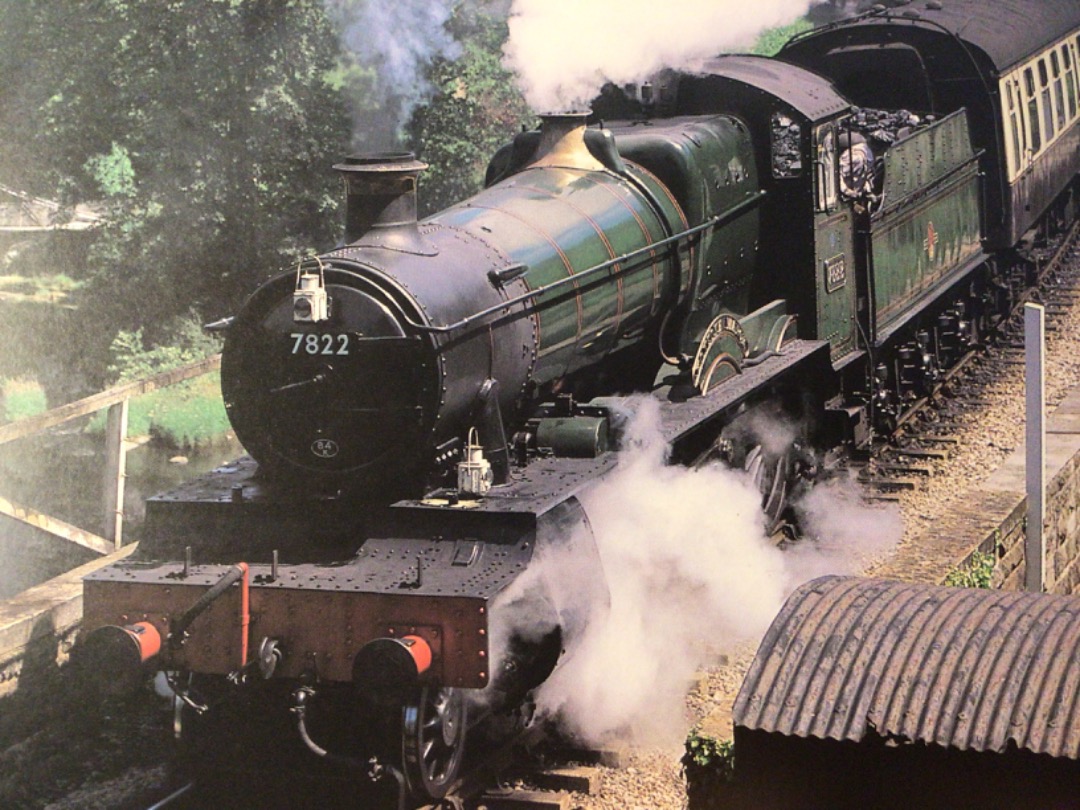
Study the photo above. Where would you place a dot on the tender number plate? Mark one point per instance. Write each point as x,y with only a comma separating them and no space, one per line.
316,343
835,273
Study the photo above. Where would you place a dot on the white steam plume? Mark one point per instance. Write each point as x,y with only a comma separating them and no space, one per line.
566,50
398,39
689,571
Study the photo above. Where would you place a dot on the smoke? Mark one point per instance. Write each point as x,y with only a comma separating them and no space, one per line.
688,571
392,42
564,50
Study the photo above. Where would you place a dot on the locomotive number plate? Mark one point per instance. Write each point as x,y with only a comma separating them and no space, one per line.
835,273
313,343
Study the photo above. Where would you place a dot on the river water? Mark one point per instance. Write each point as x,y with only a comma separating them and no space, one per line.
61,473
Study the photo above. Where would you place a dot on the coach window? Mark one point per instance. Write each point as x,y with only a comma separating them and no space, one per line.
1032,110
1016,127
1070,79
1047,105
1059,89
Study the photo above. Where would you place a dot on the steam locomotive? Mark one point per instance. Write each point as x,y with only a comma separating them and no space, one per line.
818,234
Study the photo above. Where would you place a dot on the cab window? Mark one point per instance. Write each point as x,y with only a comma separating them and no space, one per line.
825,178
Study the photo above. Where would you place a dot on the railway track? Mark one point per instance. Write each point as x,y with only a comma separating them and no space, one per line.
925,435
510,781
532,769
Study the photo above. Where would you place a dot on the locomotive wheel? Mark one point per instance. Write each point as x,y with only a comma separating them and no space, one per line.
770,476
433,741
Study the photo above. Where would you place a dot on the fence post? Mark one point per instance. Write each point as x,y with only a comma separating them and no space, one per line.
115,471
1035,444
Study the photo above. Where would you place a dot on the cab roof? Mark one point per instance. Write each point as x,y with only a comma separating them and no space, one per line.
806,92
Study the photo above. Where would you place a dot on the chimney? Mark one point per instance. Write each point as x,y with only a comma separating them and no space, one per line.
380,200
562,142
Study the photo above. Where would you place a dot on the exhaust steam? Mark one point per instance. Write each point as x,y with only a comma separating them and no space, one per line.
564,51
689,572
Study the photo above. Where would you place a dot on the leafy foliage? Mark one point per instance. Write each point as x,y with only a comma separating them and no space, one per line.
772,40
977,572
705,752
113,172
207,126
183,415
182,344
475,110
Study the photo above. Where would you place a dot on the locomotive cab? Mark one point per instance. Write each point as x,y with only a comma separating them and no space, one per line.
792,115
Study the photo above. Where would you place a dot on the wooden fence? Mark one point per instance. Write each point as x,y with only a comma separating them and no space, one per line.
116,400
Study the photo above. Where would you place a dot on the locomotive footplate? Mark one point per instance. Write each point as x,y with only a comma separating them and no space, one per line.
808,358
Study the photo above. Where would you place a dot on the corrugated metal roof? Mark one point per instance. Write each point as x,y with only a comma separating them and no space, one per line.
959,668
812,95
1008,31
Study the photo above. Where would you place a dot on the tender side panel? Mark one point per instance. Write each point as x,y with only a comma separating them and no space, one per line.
928,230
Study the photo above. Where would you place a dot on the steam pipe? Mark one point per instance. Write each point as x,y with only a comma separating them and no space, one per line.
245,613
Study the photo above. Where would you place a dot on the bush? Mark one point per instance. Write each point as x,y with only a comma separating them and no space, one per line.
977,572
771,41
183,342
184,415
707,753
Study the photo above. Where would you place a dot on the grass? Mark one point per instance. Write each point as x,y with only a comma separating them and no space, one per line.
20,398
187,415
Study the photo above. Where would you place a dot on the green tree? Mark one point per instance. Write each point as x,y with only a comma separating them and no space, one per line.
207,126
475,109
